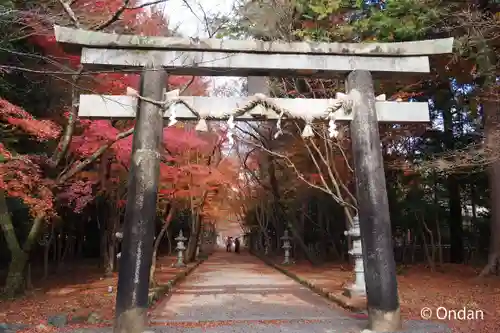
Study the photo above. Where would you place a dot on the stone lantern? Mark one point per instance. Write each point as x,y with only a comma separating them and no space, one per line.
180,250
119,237
286,246
358,288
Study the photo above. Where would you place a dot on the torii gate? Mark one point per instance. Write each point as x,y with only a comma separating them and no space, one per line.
155,56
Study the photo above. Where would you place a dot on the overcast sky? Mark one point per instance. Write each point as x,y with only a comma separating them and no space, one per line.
180,16
189,25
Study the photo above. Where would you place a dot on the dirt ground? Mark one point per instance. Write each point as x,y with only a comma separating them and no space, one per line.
75,294
454,287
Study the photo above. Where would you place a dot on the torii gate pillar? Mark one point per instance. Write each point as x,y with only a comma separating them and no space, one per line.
140,213
373,206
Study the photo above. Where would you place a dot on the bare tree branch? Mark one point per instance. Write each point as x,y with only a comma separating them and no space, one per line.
147,4
70,12
79,166
113,18
292,165
65,141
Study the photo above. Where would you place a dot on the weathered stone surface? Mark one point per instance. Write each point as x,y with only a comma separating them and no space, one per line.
140,213
373,206
11,328
58,320
101,39
42,328
93,318
78,319
109,106
204,63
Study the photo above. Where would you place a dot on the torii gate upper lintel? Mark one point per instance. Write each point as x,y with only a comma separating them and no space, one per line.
212,57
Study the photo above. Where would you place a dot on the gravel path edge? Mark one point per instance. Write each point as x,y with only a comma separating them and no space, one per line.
338,299
164,290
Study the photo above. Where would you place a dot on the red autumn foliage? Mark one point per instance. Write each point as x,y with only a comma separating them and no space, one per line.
80,192
186,173
315,178
15,116
23,179
92,134
135,21
4,152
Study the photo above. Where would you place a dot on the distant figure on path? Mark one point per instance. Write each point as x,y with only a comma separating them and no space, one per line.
228,244
237,245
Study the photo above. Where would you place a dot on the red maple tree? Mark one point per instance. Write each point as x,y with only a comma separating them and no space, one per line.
82,143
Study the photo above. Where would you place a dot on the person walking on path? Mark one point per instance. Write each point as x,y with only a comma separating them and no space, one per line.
237,245
228,244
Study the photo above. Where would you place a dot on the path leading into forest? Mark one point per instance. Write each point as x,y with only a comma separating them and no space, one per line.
238,293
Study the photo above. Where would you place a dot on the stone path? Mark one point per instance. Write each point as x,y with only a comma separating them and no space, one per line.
229,286
238,293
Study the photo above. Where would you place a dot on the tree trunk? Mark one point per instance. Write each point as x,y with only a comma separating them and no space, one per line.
59,241
29,281
111,245
439,243
193,239
456,228
152,270
46,252
19,256
110,262
280,211
103,246
68,246
429,256
438,226
405,248
452,183
323,238
156,245
298,255
15,276
54,246
491,111
263,221
298,238
14,248
80,240
414,248
170,242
